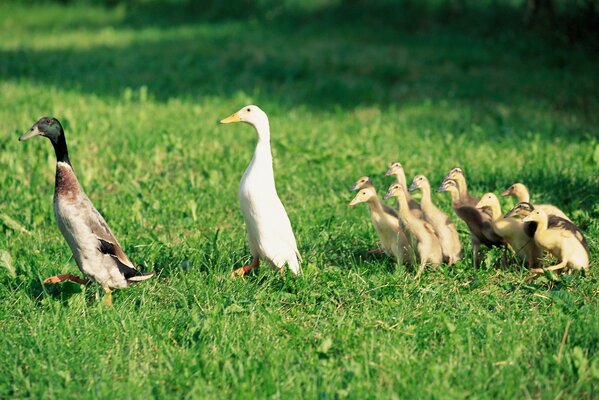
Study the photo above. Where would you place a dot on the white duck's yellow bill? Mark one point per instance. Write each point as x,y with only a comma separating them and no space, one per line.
230,119
31,133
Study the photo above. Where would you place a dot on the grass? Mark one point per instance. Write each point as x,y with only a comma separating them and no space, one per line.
139,88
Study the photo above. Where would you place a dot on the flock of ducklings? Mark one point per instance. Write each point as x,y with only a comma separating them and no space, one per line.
420,230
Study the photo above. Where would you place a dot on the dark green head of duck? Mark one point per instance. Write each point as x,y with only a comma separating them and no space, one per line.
52,129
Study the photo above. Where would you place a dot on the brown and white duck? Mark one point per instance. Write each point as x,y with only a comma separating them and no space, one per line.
96,250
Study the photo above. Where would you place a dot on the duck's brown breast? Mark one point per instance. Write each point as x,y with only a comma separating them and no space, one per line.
67,187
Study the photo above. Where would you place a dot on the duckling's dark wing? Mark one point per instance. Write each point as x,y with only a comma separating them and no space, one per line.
568,227
530,228
478,225
390,211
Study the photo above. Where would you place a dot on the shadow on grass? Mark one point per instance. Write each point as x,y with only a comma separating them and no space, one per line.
342,54
62,292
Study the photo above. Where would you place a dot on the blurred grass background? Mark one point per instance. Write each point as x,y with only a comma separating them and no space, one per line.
508,90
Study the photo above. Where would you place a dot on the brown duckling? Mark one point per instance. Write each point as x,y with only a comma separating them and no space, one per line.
457,174
479,223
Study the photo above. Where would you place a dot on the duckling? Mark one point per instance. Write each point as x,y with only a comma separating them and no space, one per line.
397,170
458,176
386,223
444,227
511,230
565,242
429,247
96,250
524,209
364,182
519,191
479,223
270,235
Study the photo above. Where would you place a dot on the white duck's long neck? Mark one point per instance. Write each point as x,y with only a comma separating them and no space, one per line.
262,154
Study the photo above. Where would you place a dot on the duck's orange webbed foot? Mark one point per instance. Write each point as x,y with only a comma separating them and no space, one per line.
245,269
66,277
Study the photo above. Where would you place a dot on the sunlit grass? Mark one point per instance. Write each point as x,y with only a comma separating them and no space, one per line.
140,103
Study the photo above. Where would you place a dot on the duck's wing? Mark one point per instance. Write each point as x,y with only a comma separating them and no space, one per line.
107,242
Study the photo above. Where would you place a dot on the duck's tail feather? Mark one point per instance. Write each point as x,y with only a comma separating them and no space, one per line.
294,265
142,276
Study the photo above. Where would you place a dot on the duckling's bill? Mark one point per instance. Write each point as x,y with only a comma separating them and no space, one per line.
33,132
230,119
355,201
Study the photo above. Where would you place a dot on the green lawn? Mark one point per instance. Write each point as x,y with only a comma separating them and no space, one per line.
348,88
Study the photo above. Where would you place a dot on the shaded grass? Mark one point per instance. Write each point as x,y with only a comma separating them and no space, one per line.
139,94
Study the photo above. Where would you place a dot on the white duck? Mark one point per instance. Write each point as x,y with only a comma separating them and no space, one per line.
270,236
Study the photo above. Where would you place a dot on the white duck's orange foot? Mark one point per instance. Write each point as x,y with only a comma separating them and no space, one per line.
245,269
66,277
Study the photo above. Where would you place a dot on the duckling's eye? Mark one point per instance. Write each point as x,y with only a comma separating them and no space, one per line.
248,109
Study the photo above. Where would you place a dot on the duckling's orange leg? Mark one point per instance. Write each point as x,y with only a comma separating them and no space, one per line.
66,277
561,265
475,252
376,251
420,269
246,268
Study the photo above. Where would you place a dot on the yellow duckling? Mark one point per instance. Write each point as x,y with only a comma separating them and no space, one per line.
386,223
519,191
444,227
429,248
511,229
565,242
396,169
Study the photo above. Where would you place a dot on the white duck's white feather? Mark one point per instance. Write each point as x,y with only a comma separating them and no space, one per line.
270,235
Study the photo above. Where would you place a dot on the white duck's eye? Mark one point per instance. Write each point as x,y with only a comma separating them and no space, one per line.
248,109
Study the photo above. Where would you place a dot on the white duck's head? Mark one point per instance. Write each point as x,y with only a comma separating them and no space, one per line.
251,114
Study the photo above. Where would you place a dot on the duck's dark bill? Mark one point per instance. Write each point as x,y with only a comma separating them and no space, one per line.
34,131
